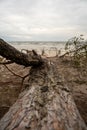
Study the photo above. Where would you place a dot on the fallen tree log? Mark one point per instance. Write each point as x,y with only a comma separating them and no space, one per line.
10,53
46,103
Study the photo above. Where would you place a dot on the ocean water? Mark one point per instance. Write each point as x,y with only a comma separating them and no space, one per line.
50,48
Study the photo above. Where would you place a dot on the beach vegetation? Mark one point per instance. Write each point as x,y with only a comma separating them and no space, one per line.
76,47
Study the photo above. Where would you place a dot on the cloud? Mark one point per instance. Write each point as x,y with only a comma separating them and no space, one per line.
42,19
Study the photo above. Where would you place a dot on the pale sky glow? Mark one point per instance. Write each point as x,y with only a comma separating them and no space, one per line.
45,20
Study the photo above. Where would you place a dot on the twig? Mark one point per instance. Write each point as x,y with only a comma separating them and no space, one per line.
34,52
23,77
72,51
12,71
10,62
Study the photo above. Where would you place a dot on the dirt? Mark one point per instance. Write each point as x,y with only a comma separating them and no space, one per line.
10,85
76,79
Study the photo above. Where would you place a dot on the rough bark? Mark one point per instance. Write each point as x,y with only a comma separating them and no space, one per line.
10,53
46,104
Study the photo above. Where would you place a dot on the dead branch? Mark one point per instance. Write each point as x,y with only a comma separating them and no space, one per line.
12,71
72,51
12,54
22,77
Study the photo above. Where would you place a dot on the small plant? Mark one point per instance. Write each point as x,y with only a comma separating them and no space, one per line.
77,48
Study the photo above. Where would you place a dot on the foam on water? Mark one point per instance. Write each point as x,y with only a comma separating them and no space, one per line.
50,48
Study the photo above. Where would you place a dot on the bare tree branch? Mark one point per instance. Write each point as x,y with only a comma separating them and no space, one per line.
12,71
12,54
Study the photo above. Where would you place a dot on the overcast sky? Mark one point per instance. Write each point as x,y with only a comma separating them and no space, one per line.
48,20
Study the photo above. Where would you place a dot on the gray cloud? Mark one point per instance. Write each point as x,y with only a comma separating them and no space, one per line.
42,19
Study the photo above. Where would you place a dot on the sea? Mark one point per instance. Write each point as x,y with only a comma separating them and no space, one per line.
49,48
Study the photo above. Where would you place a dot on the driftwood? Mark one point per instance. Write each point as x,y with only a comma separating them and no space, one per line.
10,53
45,104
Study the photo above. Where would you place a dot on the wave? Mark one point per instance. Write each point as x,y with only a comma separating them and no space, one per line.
36,42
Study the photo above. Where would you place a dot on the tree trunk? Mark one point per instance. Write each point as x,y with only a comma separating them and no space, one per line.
10,53
45,104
